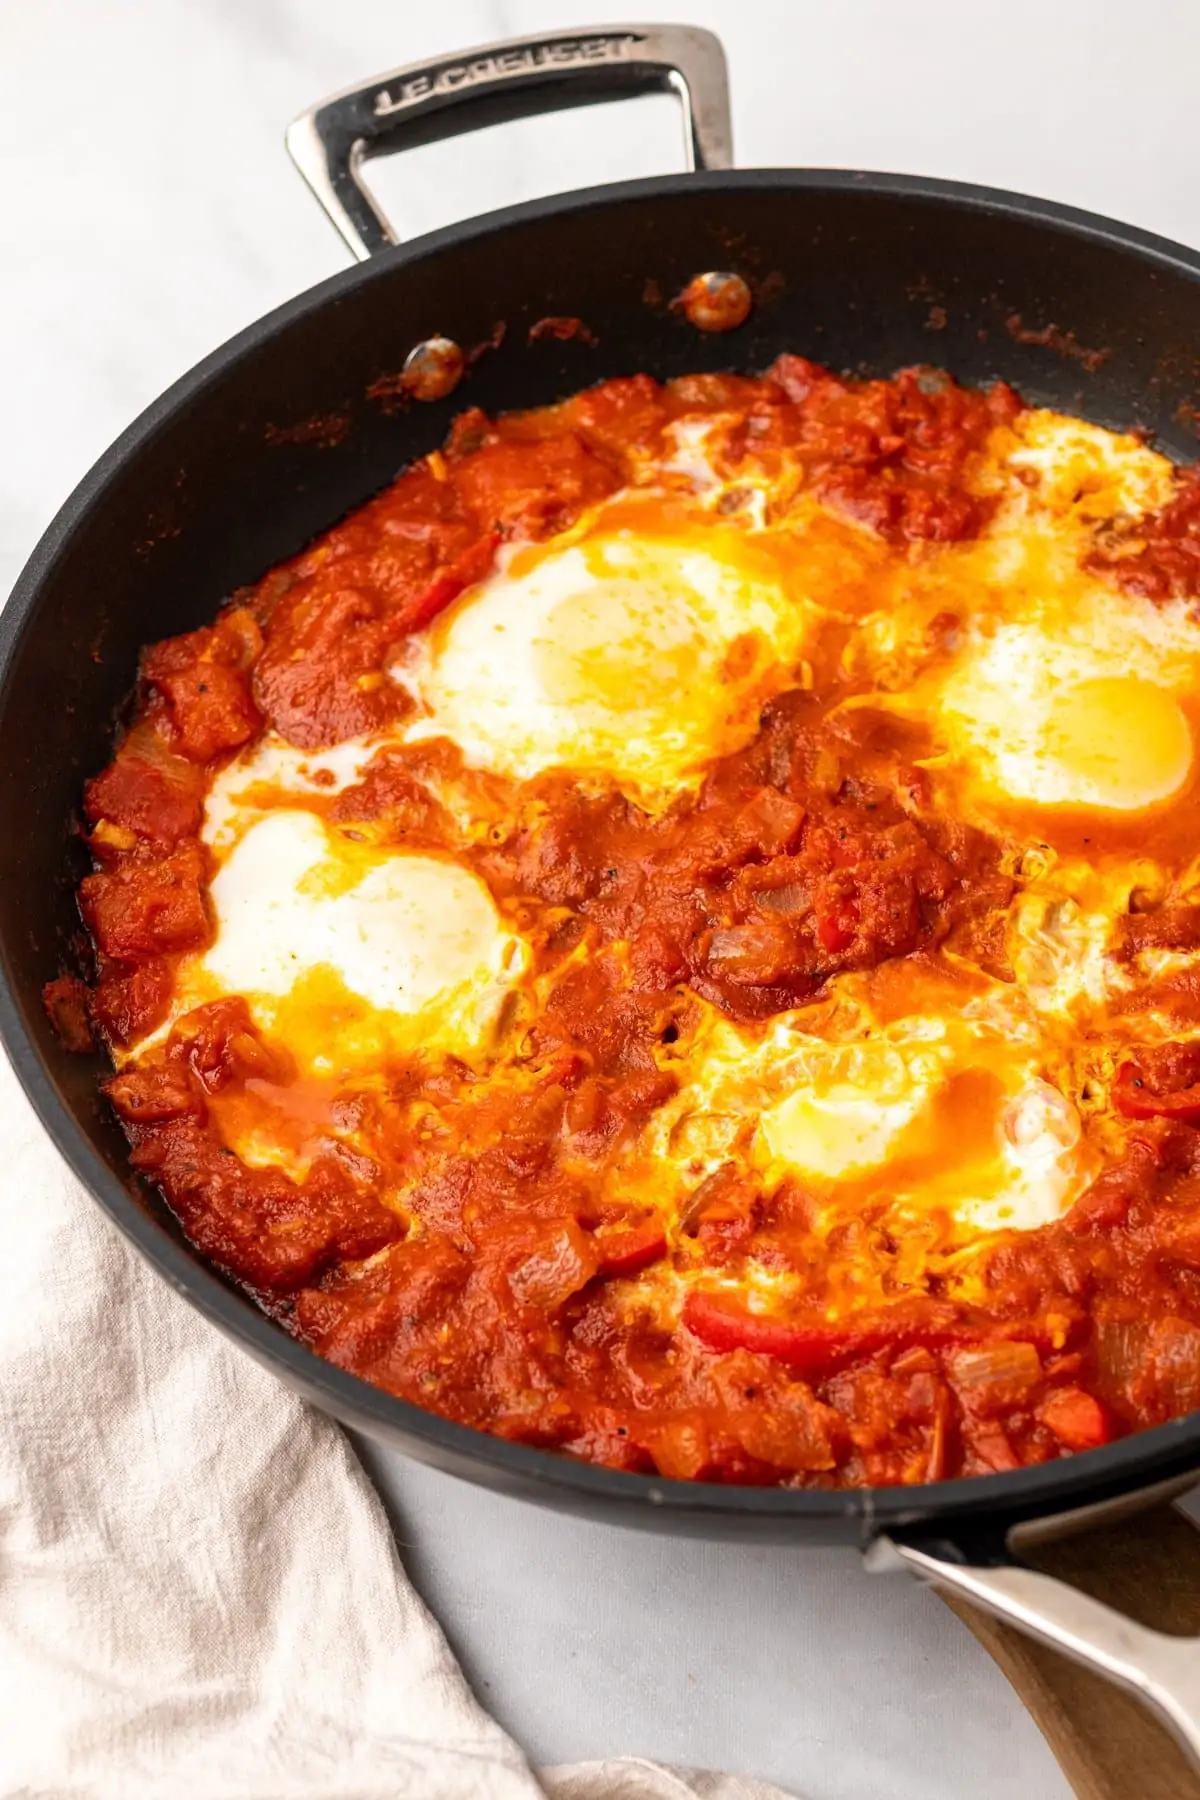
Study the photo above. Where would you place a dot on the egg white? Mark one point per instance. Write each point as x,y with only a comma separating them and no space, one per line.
623,655
349,954
1081,472
942,1113
271,772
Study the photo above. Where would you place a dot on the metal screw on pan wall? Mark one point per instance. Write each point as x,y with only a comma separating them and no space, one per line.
716,301
433,369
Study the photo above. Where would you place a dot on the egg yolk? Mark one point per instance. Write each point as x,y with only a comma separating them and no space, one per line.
614,645
993,1148
856,1116
1063,728
936,1116
1117,743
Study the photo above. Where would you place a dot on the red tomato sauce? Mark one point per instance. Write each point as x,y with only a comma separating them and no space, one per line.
811,852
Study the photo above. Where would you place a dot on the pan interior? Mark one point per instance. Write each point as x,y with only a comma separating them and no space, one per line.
295,422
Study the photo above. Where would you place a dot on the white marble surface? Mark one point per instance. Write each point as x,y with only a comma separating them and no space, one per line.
147,212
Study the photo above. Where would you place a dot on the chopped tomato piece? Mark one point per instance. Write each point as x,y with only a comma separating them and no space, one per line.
147,790
211,707
800,378
562,1262
836,929
320,678
1075,1418
204,679
152,1095
625,1252
128,1002
628,411
221,1046
993,1448
1136,1099
534,487
682,1448
776,1420
147,908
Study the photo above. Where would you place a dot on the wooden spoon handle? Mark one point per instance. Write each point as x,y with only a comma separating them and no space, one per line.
1108,1745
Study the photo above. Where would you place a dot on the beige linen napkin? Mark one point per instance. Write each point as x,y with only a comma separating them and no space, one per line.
200,1598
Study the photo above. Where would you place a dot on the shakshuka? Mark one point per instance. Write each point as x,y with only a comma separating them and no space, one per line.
673,933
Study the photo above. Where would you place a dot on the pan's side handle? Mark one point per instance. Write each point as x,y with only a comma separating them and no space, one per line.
489,86
1161,1670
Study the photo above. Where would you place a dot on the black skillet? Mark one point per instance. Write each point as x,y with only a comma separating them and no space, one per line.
294,422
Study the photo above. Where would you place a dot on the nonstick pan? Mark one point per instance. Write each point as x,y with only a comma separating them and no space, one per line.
305,414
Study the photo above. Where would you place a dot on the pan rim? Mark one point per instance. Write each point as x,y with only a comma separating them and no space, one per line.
1139,1459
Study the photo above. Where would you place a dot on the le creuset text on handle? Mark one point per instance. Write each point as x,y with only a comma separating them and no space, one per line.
520,77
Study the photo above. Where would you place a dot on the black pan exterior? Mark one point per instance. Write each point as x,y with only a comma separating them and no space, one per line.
274,437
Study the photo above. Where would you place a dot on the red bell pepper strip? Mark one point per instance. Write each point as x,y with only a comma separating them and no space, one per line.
836,928
815,1349
447,585
1137,1101
626,1252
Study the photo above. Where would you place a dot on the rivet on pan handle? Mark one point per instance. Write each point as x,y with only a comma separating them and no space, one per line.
489,86
1163,1671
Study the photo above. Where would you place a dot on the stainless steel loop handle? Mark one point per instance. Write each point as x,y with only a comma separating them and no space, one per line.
1163,1671
489,86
